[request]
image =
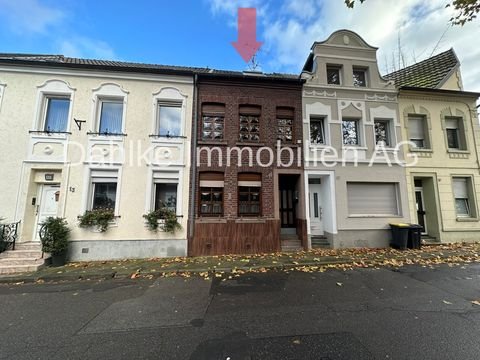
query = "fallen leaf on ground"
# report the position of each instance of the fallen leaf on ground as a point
(339, 284)
(476, 302)
(447, 302)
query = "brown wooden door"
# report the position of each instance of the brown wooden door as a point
(287, 208)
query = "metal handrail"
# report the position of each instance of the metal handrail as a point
(8, 236)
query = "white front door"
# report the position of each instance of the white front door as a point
(47, 206)
(316, 210)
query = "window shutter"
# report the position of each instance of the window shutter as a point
(460, 188)
(451, 123)
(216, 109)
(372, 198)
(285, 113)
(104, 176)
(250, 179)
(212, 179)
(416, 128)
(165, 177)
(250, 110)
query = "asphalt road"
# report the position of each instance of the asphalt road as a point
(411, 313)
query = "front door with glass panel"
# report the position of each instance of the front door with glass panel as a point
(315, 208)
(420, 206)
(47, 206)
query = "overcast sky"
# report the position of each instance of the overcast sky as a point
(199, 32)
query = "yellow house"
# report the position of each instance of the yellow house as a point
(83, 134)
(440, 121)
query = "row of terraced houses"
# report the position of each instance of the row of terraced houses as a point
(250, 162)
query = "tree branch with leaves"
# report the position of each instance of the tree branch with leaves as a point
(466, 10)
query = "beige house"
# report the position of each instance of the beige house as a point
(354, 168)
(82, 134)
(440, 120)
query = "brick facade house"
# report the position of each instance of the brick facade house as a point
(249, 196)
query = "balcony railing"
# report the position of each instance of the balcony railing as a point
(8, 236)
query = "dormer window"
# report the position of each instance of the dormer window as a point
(333, 74)
(359, 77)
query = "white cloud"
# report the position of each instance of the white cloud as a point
(86, 48)
(30, 16)
(291, 27)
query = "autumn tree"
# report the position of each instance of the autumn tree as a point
(465, 10)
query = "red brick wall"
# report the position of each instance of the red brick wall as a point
(268, 95)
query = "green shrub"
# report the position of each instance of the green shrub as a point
(54, 234)
(169, 224)
(99, 218)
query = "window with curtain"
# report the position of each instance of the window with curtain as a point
(249, 123)
(56, 115)
(213, 118)
(317, 130)
(461, 193)
(169, 119)
(378, 199)
(166, 196)
(111, 117)
(350, 132)
(103, 189)
(285, 124)
(211, 194)
(249, 194)
(359, 77)
(416, 131)
(382, 132)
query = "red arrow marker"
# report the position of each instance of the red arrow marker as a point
(247, 44)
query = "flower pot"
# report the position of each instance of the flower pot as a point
(59, 259)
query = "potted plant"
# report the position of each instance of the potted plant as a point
(99, 218)
(163, 218)
(54, 235)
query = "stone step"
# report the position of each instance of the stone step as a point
(21, 254)
(28, 246)
(288, 237)
(291, 244)
(21, 261)
(15, 269)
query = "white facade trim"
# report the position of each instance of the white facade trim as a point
(100, 74)
(2, 93)
(52, 87)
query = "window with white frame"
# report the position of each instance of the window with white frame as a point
(383, 135)
(169, 119)
(56, 113)
(110, 121)
(317, 130)
(455, 133)
(375, 199)
(417, 131)
(165, 190)
(351, 131)
(461, 192)
(103, 190)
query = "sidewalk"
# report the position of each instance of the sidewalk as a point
(233, 266)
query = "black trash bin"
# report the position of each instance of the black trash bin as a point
(415, 236)
(399, 236)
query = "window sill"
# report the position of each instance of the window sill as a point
(246, 143)
(212, 142)
(252, 220)
(457, 151)
(419, 150)
(49, 134)
(374, 216)
(467, 219)
(211, 220)
(356, 147)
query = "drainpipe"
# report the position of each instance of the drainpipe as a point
(471, 112)
(193, 159)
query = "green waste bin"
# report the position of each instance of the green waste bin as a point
(400, 234)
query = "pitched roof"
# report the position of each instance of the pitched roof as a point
(65, 61)
(430, 73)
